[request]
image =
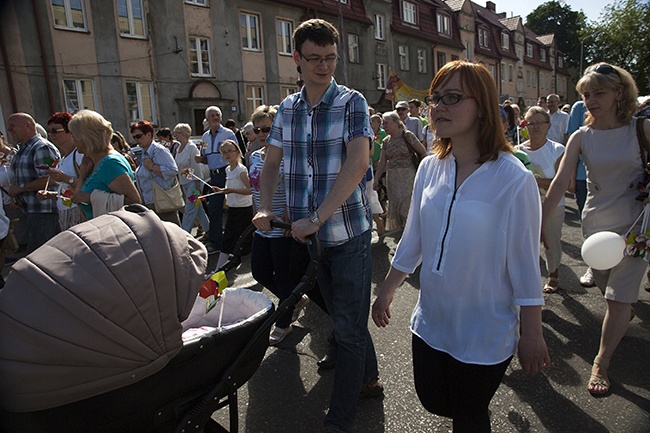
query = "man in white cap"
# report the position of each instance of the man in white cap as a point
(413, 124)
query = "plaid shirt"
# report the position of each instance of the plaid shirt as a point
(313, 140)
(34, 153)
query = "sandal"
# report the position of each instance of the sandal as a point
(278, 335)
(599, 385)
(551, 285)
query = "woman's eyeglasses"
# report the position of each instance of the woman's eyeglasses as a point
(228, 152)
(448, 99)
(137, 136)
(54, 130)
(604, 69)
(533, 124)
(263, 129)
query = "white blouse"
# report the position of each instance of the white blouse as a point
(479, 250)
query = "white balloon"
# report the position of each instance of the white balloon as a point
(603, 250)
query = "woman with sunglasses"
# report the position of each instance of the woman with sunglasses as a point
(397, 162)
(545, 156)
(157, 165)
(474, 227)
(185, 160)
(610, 150)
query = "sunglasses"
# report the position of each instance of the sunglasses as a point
(55, 130)
(137, 136)
(604, 69)
(263, 129)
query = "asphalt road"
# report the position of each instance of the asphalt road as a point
(289, 394)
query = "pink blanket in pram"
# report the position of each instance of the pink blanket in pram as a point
(96, 308)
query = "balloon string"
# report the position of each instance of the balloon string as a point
(643, 212)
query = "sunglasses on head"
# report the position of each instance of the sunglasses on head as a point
(604, 69)
(263, 129)
(137, 136)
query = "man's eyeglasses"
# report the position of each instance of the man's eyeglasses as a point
(532, 124)
(448, 99)
(137, 136)
(317, 60)
(263, 129)
(55, 130)
(604, 69)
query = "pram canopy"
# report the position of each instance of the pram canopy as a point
(96, 308)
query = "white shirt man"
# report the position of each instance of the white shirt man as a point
(559, 119)
(413, 124)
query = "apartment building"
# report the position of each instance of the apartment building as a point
(167, 60)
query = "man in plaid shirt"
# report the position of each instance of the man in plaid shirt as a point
(324, 135)
(34, 157)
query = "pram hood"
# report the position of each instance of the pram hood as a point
(96, 308)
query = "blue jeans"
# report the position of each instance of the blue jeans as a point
(344, 279)
(215, 205)
(192, 211)
(41, 227)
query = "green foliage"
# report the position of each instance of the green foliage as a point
(622, 38)
(558, 18)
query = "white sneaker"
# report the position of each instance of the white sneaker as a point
(587, 280)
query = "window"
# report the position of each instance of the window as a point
(353, 48)
(422, 61)
(454, 57)
(409, 13)
(254, 98)
(79, 95)
(529, 50)
(404, 57)
(443, 25)
(381, 76)
(542, 54)
(468, 50)
(491, 69)
(285, 42)
(520, 56)
(197, 2)
(505, 41)
(287, 90)
(380, 31)
(68, 14)
(527, 78)
(200, 63)
(511, 73)
(442, 59)
(131, 17)
(503, 72)
(139, 99)
(534, 79)
(483, 40)
(560, 62)
(250, 32)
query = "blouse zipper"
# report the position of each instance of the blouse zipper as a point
(444, 237)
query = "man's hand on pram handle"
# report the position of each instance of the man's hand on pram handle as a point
(262, 220)
(302, 229)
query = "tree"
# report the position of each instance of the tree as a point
(622, 38)
(558, 18)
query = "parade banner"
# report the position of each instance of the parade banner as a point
(398, 90)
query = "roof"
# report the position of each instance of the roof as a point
(511, 23)
(427, 26)
(354, 10)
(455, 5)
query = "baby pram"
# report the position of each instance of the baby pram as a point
(193, 379)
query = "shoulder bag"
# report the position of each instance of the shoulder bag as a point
(167, 200)
(415, 157)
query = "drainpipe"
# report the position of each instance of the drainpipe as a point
(46, 65)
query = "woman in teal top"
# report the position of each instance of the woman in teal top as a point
(112, 172)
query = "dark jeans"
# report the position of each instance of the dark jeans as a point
(448, 387)
(581, 195)
(41, 227)
(215, 204)
(239, 218)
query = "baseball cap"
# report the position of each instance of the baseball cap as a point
(401, 104)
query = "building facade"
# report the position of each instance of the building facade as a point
(166, 61)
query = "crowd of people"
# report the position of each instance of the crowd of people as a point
(454, 170)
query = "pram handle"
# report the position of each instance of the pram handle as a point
(313, 245)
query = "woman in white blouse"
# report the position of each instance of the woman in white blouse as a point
(474, 226)
(185, 160)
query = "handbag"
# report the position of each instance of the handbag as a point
(415, 157)
(167, 200)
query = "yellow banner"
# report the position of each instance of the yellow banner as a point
(397, 90)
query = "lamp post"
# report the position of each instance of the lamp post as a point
(582, 46)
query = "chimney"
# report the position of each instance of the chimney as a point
(491, 6)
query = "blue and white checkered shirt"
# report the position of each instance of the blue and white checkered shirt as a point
(314, 140)
(35, 153)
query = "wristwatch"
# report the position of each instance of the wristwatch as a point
(71, 181)
(22, 188)
(313, 218)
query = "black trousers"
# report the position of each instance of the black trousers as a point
(448, 387)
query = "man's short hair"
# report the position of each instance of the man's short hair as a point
(416, 102)
(230, 123)
(318, 31)
(212, 108)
